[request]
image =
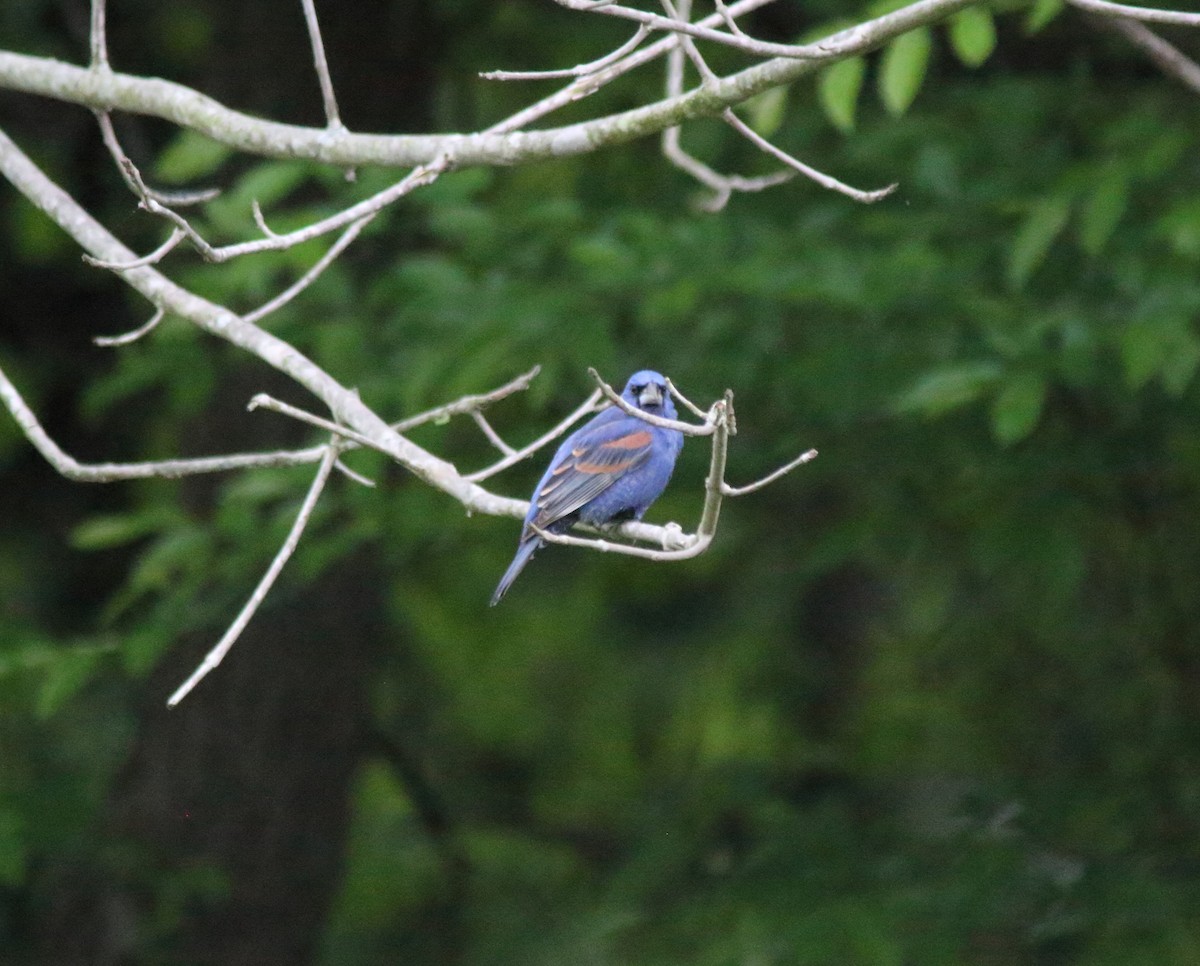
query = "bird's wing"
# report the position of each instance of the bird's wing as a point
(591, 466)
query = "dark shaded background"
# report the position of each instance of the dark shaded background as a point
(933, 699)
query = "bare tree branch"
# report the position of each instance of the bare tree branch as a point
(805, 457)
(344, 241)
(824, 180)
(586, 407)
(221, 648)
(1148, 14)
(580, 70)
(1169, 58)
(134, 180)
(99, 36)
(722, 186)
(189, 108)
(71, 468)
(133, 336)
(332, 117)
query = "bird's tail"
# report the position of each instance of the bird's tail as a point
(524, 552)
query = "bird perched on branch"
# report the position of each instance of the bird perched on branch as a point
(609, 470)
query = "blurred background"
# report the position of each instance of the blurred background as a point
(932, 699)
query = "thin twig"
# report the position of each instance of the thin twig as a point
(179, 198)
(259, 220)
(580, 70)
(1148, 14)
(748, 45)
(695, 410)
(177, 235)
(588, 406)
(128, 337)
(682, 15)
(723, 186)
(800, 460)
(332, 118)
(71, 468)
(824, 180)
(221, 648)
(492, 436)
(688, 429)
(98, 37)
(727, 16)
(591, 83)
(1169, 58)
(467, 404)
(263, 401)
(305, 280)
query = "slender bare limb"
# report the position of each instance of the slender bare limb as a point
(178, 198)
(728, 16)
(758, 48)
(687, 403)
(500, 145)
(800, 460)
(591, 83)
(824, 180)
(153, 258)
(418, 177)
(467, 404)
(99, 36)
(1148, 14)
(221, 648)
(492, 436)
(133, 336)
(722, 186)
(683, 42)
(688, 429)
(1169, 58)
(352, 475)
(264, 401)
(71, 468)
(588, 406)
(259, 220)
(304, 281)
(580, 70)
(332, 117)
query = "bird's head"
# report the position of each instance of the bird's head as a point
(648, 391)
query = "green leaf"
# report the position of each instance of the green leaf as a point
(100, 533)
(903, 69)
(949, 388)
(70, 670)
(190, 156)
(838, 88)
(1143, 349)
(1018, 407)
(765, 111)
(1042, 226)
(1042, 13)
(1102, 211)
(972, 35)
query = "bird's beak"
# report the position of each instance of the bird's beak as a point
(650, 395)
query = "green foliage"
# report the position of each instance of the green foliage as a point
(972, 35)
(902, 69)
(838, 88)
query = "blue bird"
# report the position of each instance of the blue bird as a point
(609, 470)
